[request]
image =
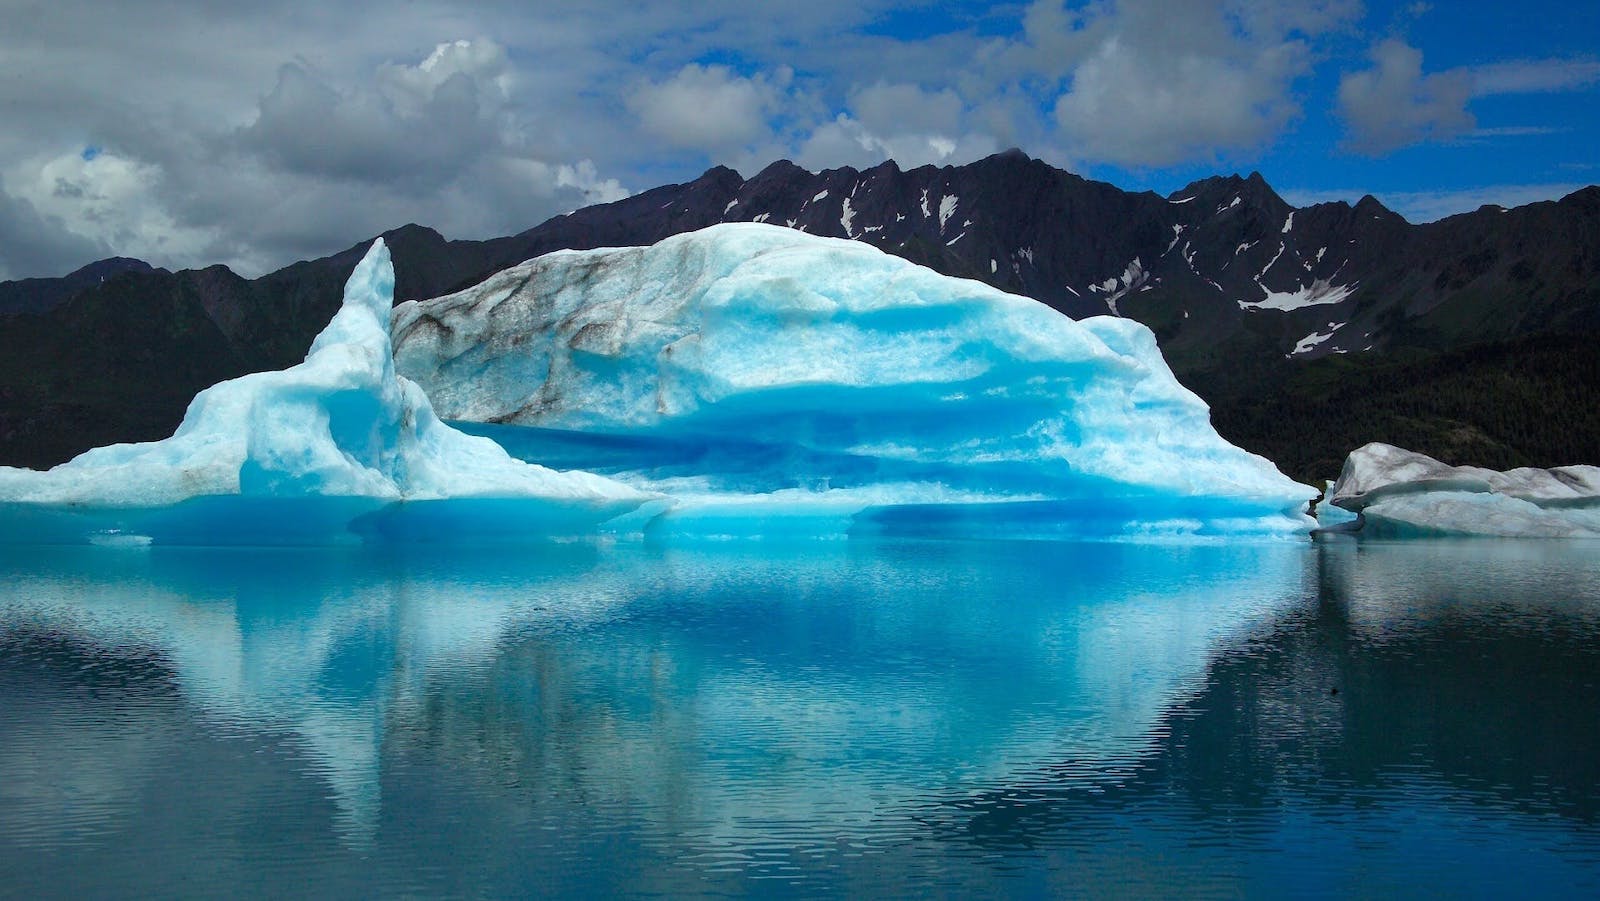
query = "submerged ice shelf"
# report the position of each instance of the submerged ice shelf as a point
(773, 381)
(745, 380)
(330, 449)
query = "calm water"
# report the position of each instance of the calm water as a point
(847, 719)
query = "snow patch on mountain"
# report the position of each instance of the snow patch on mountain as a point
(947, 208)
(1177, 233)
(1320, 291)
(1270, 263)
(1133, 278)
(1315, 339)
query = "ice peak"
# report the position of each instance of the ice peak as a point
(363, 315)
(339, 428)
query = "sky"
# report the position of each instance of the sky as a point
(192, 132)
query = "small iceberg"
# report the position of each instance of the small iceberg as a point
(1395, 492)
(337, 448)
(774, 382)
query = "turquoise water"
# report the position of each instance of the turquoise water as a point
(845, 719)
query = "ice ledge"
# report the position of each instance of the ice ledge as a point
(1396, 492)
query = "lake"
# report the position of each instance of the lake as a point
(841, 719)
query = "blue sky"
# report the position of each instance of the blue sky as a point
(197, 132)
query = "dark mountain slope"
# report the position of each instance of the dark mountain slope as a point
(39, 295)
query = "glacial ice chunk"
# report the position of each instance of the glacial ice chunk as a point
(1398, 492)
(768, 379)
(336, 445)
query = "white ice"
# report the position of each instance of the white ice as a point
(1401, 492)
(794, 375)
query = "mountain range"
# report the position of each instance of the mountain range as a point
(1310, 331)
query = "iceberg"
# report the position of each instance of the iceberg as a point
(774, 382)
(1398, 493)
(335, 448)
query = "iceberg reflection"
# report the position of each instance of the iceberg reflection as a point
(720, 696)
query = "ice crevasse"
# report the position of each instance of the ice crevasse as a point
(337, 448)
(772, 382)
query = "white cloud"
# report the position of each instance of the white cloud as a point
(845, 141)
(258, 134)
(1393, 104)
(910, 124)
(320, 165)
(1534, 76)
(106, 199)
(412, 88)
(1161, 83)
(884, 108)
(34, 244)
(1125, 108)
(708, 108)
(421, 123)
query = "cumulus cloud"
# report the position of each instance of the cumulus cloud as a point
(1163, 83)
(907, 123)
(845, 141)
(1123, 109)
(884, 107)
(317, 165)
(108, 201)
(35, 245)
(412, 89)
(423, 123)
(709, 108)
(256, 135)
(1394, 104)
